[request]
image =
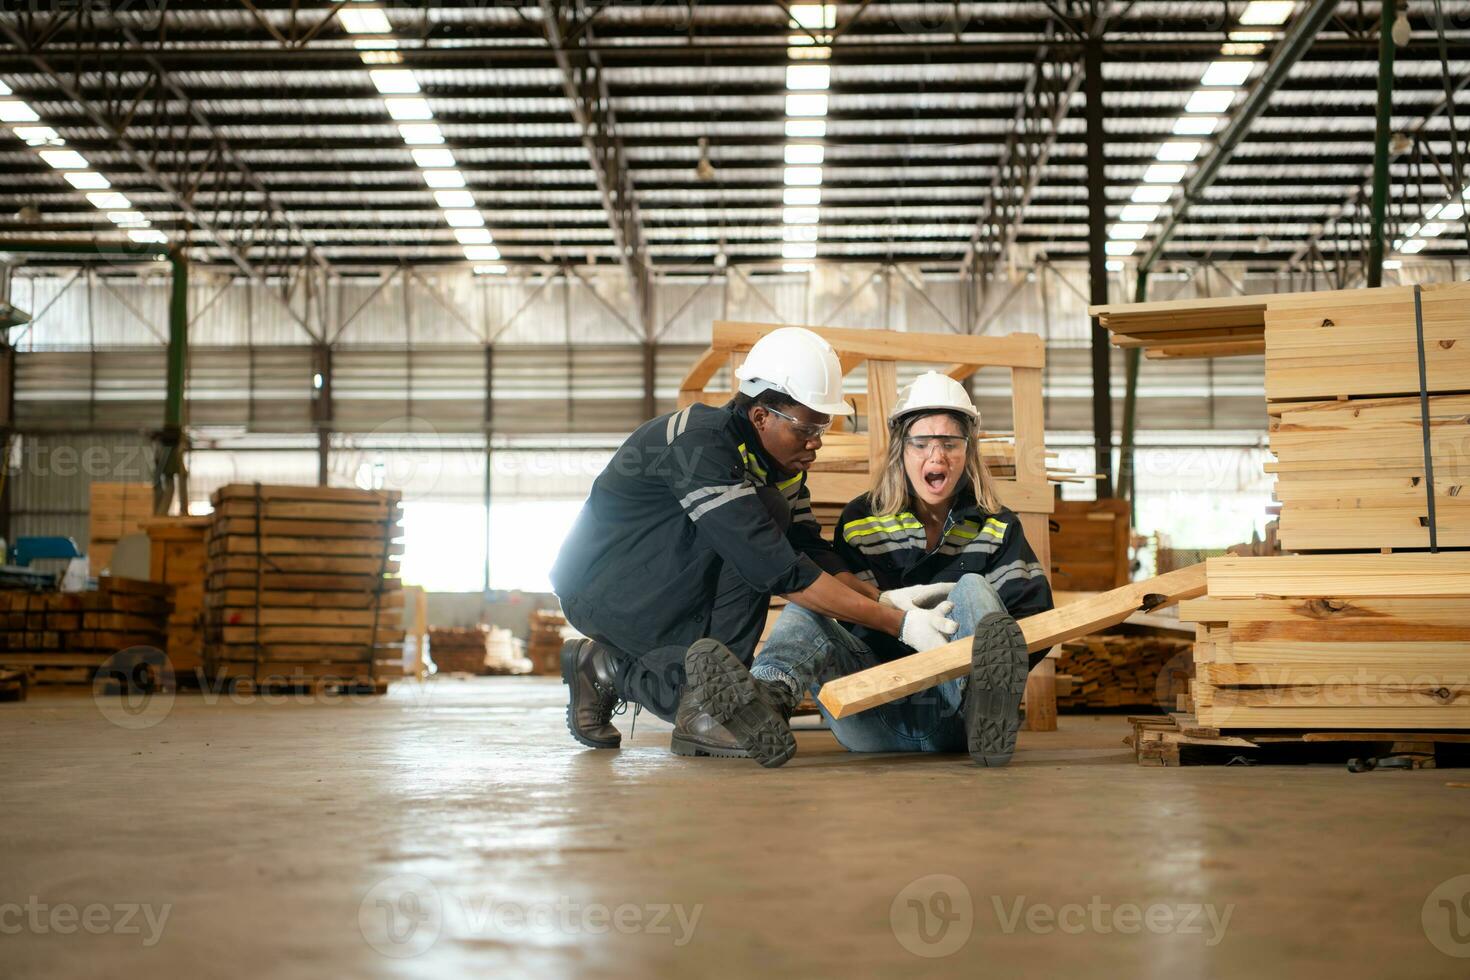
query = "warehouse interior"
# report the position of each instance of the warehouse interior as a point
(370, 293)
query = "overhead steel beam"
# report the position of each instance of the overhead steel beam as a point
(1382, 132)
(1288, 52)
(568, 28)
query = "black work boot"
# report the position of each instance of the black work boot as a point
(998, 664)
(727, 713)
(587, 671)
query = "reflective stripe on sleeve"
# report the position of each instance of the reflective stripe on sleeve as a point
(730, 493)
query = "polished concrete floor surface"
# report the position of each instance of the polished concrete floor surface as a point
(453, 829)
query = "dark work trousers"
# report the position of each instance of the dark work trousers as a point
(655, 678)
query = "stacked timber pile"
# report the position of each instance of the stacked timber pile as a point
(504, 653)
(458, 649)
(116, 510)
(1089, 545)
(64, 637)
(1302, 642)
(544, 648)
(1365, 392)
(302, 587)
(176, 556)
(1109, 671)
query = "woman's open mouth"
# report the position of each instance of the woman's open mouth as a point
(936, 479)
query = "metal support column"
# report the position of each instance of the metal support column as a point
(1381, 136)
(1097, 236)
(1132, 359)
(650, 376)
(321, 409)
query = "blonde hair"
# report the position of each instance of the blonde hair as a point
(891, 492)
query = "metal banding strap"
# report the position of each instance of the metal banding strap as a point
(1424, 420)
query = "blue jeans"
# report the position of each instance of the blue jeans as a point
(806, 650)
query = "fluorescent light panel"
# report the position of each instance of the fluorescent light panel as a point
(126, 218)
(1195, 125)
(482, 253)
(1413, 247)
(148, 235)
(802, 196)
(799, 233)
(1210, 100)
(804, 153)
(394, 81)
(454, 199)
(433, 158)
(1164, 173)
(1270, 12)
(1139, 213)
(801, 216)
(1180, 151)
(1157, 194)
(110, 201)
(421, 134)
(443, 178)
(14, 110)
(806, 104)
(365, 20)
(808, 78)
(806, 128)
(65, 159)
(464, 218)
(86, 180)
(1120, 248)
(473, 236)
(814, 16)
(1129, 232)
(1230, 73)
(39, 135)
(804, 176)
(490, 270)
(409, 107)
(798, 250)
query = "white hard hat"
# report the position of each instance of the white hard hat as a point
(932, 391)
(797, 363)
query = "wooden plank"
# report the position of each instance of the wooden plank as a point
(1013, 350)
(1410, 611)
(300, 546)
(250, 491)
(1340, 576)
(337, 510)
(277, 527)
(888, 682)
(308, 634)
(1455, 716)
(882, 397)
(361, 599)
(1383, 672)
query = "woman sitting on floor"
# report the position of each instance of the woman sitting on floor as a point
(931, 534)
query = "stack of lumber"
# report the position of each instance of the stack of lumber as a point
(1342, 385)
(176, 556)
(302, 586)
(1222, 327)
(458, 649)
(1089, 545)
(1117, 671)
(116, 510)
(1322, 642)
(63, 637)
(504, 653)
(544, 648)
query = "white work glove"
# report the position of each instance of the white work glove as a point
(916, 596)
(925, 629)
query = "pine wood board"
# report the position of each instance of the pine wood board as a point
(308, 634)
(1340, 576)
(298, 529)
(303, 582)
(272, 547)
(1408, 612)
(1456, 716)
(1014, 350)
(278, 598)
(366, 511)
(1386, 671)
(301, 616)
(273, 492)
(337, 565)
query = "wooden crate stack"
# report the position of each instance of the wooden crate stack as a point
(302, 587)
(544, 648)
(116, 510)
(1110, 671)
(63, 637)
(176, 556)
(458, 649)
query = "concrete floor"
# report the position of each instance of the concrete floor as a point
(458, 823)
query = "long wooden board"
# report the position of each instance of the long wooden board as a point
(891, 681)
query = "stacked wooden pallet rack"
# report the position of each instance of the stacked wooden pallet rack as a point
(176, 556)
(1366, 629)
(116, 509)
(302, 588)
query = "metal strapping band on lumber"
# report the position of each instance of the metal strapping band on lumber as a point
(1424, 419)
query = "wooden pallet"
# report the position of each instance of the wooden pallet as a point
(116, 509)
(1179, 740)
(1089, 545)
(301, 582)
(62, 638)
(14, 685)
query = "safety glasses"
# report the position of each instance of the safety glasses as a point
(807, 430)
(924, 445)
